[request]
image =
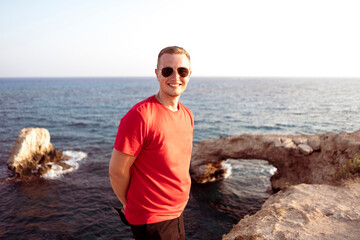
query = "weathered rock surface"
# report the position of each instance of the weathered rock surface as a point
(30, 153)
(306, 212)
(310, 208)
(312, 159)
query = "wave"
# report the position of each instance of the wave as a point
(228, 168)
(58, 170)
(238, 168)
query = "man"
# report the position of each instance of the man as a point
(149, 166)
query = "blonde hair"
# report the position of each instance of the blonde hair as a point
(172, 50)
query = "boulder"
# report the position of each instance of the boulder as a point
(31, 153)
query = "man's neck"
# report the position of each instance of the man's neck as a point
(168, 101)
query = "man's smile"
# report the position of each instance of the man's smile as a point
(174, 84)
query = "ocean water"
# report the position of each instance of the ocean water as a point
(82, 115)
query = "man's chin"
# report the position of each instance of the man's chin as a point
(174, 94)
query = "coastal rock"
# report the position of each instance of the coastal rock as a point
(312, 159)
(309, 204)
(305, 211)
(31, 153)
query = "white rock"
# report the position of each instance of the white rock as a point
(29, 142)
(305, 148)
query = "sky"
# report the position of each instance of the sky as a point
(235, 38)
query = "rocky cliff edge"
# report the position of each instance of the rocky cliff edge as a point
(313, 201)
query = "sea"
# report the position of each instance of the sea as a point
(83, 114)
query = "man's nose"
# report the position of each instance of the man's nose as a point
(176, 74)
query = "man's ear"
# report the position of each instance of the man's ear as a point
(157, 74)
(189, 75)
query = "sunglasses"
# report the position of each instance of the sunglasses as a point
(182, 71)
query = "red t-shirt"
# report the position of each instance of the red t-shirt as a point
(161, 140)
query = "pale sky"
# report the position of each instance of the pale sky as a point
(254, 38)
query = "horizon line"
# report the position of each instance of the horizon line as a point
(240, 77)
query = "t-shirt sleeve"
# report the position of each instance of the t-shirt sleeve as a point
(192, 119)
(131, 134)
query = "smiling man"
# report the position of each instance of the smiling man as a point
(149, 166)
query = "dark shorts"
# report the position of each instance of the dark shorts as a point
(166, 230)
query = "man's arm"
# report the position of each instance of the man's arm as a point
(119, 172)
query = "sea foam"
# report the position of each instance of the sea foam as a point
(58, 171)
(227, 166)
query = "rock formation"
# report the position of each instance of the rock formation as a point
(312, 159)
(31, 153)
(307, 207)
(308, 212)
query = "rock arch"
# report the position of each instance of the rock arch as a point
(298, 158)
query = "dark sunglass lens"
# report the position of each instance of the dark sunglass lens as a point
(183, 72)
(166, 71)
